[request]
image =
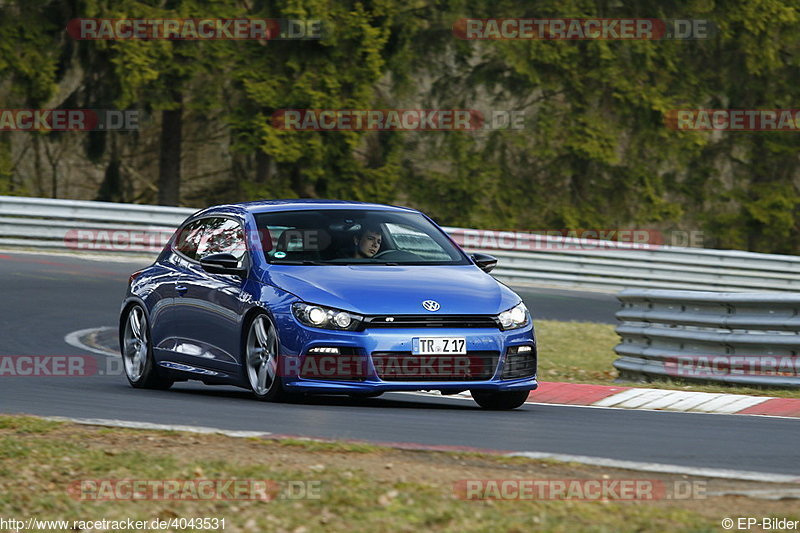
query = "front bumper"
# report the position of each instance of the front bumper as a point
(300, 340)
(366, 387)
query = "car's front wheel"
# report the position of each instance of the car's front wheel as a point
(262, 361)
(137, 352)
(500, 401)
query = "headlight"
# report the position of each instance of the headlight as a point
(514, 318)
(318, 316)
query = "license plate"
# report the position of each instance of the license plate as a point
(438, 345)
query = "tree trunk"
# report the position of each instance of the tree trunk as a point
(169, 163)
(6, 166)
(111, 188)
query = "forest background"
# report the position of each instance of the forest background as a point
(595, 151)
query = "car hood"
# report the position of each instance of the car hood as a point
(384, 289)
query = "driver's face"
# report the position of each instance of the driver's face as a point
(369, 244)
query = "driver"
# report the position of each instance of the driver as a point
(367, 241)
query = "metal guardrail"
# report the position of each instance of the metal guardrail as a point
(540, 259)
(524, 258)
(87, 226)
(744, 339)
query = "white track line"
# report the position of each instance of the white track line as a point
(663, 468)
(583, 459)
(730, 403)
(767, 494)
(106, 422)
(646, 408)
(74, 339)
(665, 411)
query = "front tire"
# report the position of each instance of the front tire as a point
(500, 401)
(262, 360)
(137, 352)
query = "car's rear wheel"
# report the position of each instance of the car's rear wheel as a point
(137, 352)
(262, 360)
(500, 401)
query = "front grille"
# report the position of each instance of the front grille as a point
(520, 365)
(403, 366)
(431, 321)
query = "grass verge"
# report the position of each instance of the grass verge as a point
(375, 489)
(583, 352)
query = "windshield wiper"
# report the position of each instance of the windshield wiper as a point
(363, 263)
(304, 262)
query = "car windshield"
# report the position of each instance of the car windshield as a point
(336, 237)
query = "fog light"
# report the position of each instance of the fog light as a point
(520, 349)
(324, 349)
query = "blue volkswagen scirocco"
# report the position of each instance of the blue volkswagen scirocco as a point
(289, 297)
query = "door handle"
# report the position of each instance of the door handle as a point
(181, 289)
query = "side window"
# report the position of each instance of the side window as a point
(188, 239)
(222, 235)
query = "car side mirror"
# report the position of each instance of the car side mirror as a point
(485, 262)
(223, 263)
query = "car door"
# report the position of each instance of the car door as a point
(209, 306)
(162, 299)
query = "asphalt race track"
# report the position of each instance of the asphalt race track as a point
(45, 297)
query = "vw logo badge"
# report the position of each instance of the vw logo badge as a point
(431, 305)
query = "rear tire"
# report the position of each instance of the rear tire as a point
(136, 348)
(500, 401)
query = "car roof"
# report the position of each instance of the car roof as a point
(269, 206)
